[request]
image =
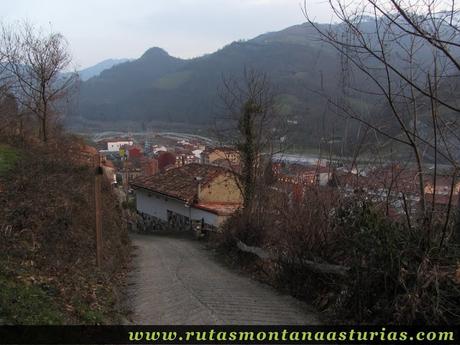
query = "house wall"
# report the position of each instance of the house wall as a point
(221, 189)
(110, 174)
(209, 218)
(114, 146)
(231, 156)
(324, 178)
(157, 206)
(442, 189)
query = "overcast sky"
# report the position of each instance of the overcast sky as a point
(101, 29)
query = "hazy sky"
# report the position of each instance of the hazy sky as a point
(101, 29)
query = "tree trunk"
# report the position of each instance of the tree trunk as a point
(44, 130)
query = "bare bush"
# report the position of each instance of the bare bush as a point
(48, 199)
(34, 67)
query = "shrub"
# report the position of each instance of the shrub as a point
(396, 274)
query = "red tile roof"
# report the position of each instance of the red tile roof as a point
(394, 178)
(180, 183)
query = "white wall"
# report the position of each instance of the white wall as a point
(324, 178)
(209, 218)
(114, 146)
(158, 206)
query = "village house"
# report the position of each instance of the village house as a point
(187, 197)
(444, 185)
(149, 166)
(134, 152)
(446, 191)
(398, 188)
(89, 156)
(114, 145)
(166, 160)
(86, 154)
(185, 158)
(301, 175)
(109, 170)
(392, 187)
(217, 155)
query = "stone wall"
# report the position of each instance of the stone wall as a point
(146, 223)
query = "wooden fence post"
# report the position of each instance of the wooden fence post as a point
(98, 211)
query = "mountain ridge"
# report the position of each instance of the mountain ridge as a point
(160, 87)
(95, 70)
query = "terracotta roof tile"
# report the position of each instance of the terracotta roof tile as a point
(180, 183)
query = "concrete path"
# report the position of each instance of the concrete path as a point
(176, 281)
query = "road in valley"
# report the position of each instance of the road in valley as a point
(176, 280)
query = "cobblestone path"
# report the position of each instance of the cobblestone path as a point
(176, 280)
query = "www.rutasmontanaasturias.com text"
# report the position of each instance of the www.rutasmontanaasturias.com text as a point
(289, 336)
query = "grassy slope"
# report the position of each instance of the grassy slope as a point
(27, 303)
(47, 269)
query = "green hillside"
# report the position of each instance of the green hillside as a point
(160, 88)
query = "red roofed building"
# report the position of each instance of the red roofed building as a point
(84, 154)
(149, 166)
(191, 194)
(216, 155)
(166, 159)
(301, 175)
(134, 152)
(398, 188)
(109, 170)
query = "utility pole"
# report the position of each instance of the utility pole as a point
(98, 206)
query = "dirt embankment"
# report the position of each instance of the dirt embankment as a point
(48, 273)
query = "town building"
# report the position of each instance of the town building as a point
(301, 175)
(186, 158)
(166, 160)
(134, 152)
(217, 155)
(190, 196)
(85, 154)
(443, 192)
(109, 170)
(149, 166)
(444, 185)
(114, 145)
(398, 188)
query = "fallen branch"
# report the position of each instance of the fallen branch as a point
(323, 268)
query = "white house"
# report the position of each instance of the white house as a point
(191, 194)
(115, 145)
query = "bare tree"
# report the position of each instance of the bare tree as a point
(35, 63)
(252, 127)
(409, 52)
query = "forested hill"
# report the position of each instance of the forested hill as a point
(158, 86)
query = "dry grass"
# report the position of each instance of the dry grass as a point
(47, 198)
(397, 275)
